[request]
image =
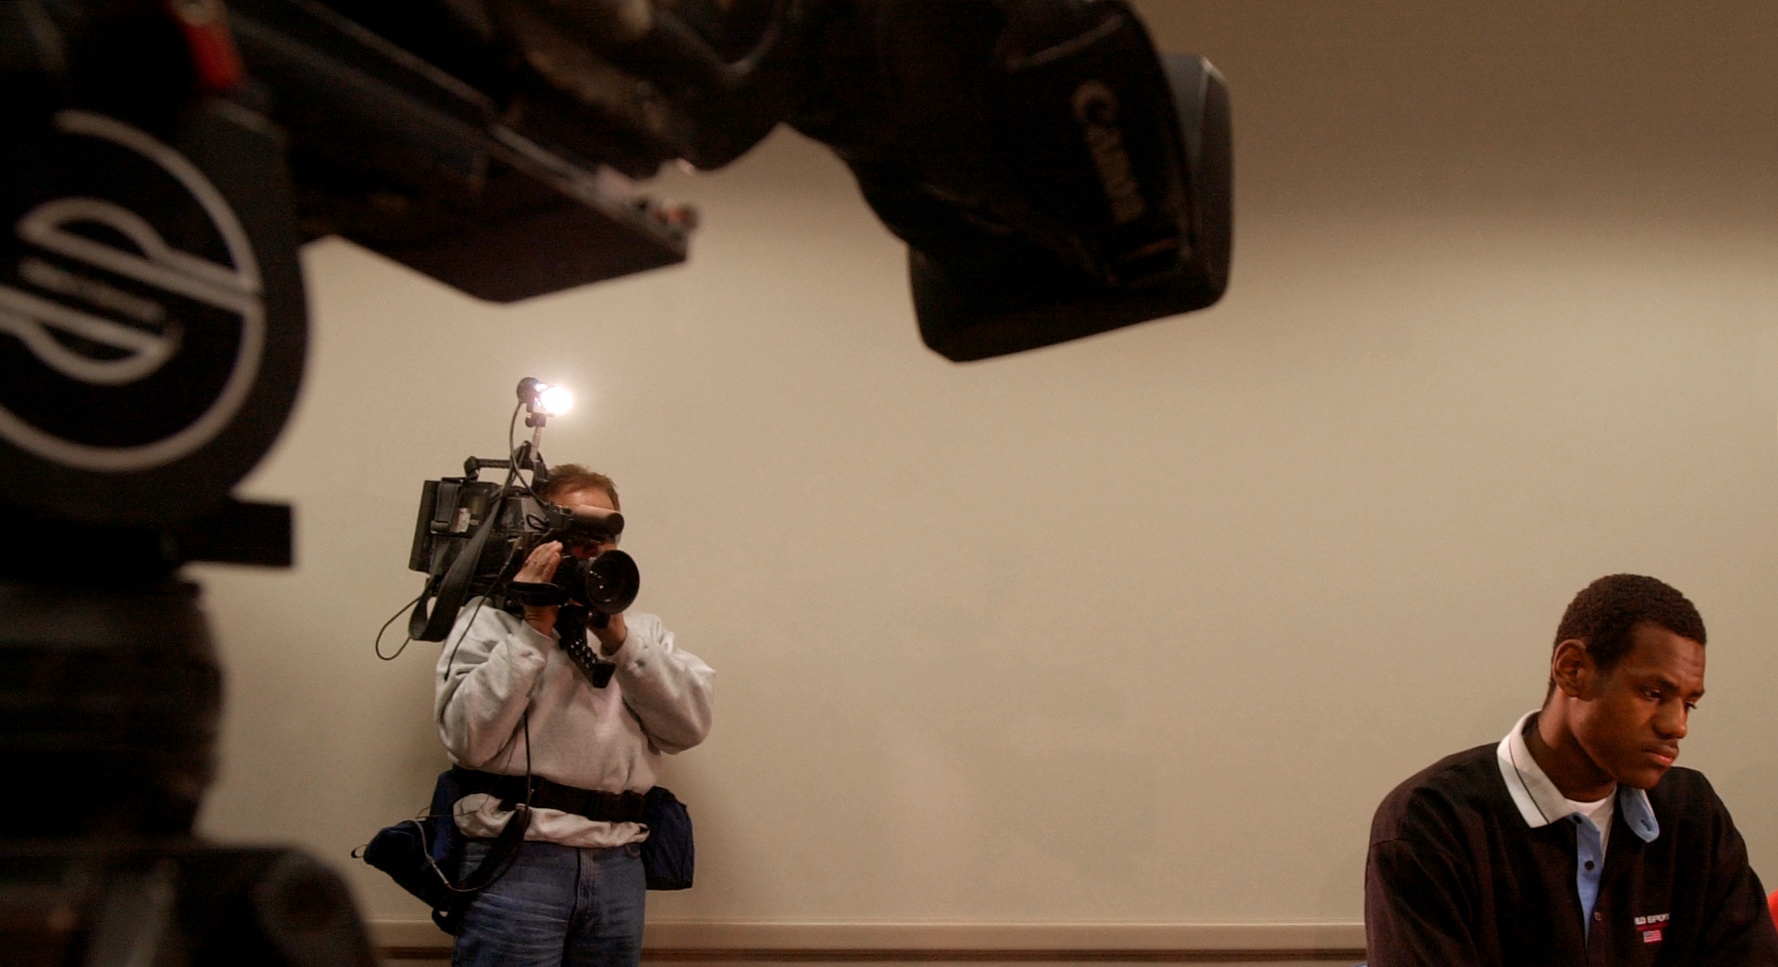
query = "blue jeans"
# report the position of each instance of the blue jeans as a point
(556, 906)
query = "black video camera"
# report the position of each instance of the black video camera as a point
(471, 535)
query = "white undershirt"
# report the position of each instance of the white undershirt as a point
(1600, 813)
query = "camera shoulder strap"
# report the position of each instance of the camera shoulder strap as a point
(451, 592)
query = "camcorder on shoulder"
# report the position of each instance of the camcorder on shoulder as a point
(471, 536)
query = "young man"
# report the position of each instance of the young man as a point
(510, 699)
(1574, 840)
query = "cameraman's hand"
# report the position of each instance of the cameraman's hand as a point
(540, 564)
(539, 568)
(612, 636)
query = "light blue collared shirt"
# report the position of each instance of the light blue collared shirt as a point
(1541, 804)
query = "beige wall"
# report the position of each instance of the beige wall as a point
(1137, 629)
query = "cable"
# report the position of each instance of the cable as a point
(377, 644)
(480, 600)
(511, 441)
(512, 453)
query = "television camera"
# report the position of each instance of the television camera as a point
(1052, 176)
(471, 536)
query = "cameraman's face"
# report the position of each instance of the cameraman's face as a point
(592, 502)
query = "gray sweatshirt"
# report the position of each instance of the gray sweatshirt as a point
(494, 667)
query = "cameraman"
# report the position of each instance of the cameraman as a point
(510, 700)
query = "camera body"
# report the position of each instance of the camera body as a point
(470, 535)
(453, 509)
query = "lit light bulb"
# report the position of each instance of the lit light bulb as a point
(555, 400)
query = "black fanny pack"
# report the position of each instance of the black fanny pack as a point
(667, 855)
(424, 855)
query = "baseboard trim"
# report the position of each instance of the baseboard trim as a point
(704, 941)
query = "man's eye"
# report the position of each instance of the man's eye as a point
(1652, 694)
(1691, 706)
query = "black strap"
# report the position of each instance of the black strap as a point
(500, 854)
(453, 590)
(594, 804)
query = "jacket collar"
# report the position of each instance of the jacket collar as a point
(1541, 803)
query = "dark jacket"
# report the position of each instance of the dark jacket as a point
(1456, 877)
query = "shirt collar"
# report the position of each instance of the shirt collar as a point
(1541, 803)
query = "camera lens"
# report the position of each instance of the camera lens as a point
(607, 583)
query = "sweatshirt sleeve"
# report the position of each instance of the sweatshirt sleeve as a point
(670, 691)
(487, 671)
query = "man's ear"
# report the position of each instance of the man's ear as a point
(1572, 668)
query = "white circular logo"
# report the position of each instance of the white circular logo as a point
(124, 351)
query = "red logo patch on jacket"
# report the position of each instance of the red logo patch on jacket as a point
(1650, 927)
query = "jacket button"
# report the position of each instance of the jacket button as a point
(1597, 916)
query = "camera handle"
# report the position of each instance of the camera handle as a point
(571, 626)
(526, 457)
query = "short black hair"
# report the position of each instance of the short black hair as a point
(1604, 613)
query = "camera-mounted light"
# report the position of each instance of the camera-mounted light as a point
(540, 401)
(544, 399)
